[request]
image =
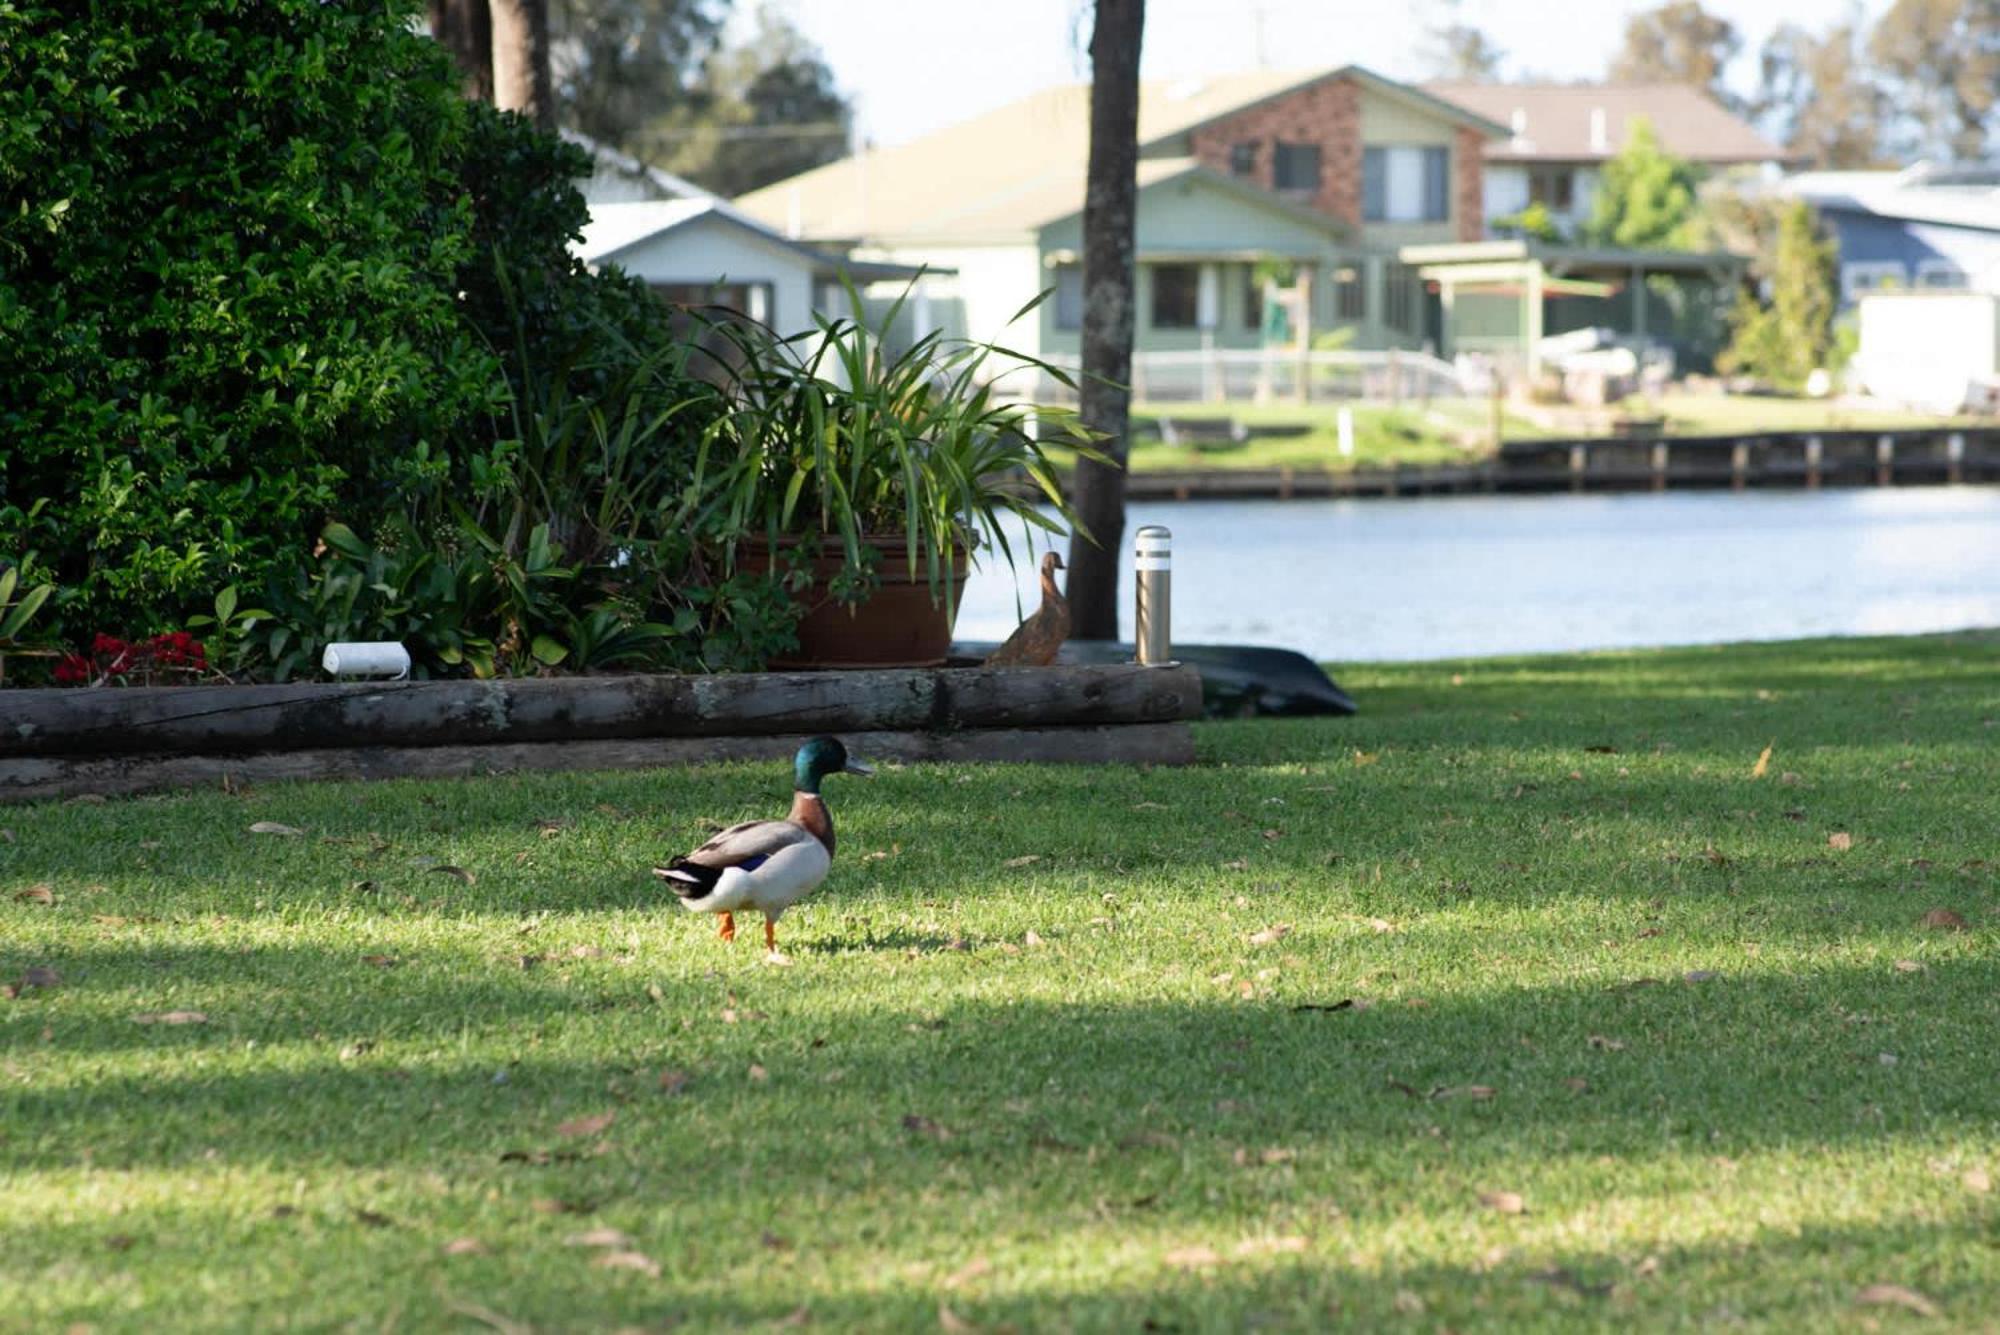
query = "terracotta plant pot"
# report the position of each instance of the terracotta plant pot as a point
(898, 626)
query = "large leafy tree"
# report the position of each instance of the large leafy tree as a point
(1783, 337)
(1645, 196)
(622, 64)
(1941, 59)
(1462, 51)
(1678, 41)
(1110, 210)
(1820, 97)
(768, 109)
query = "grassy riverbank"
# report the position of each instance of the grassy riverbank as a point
(1530, 999)
(1460, 431)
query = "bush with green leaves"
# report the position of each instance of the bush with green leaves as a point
(230, 233)
(262, 271)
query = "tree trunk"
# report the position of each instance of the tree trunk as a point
(465, 28)
(1110, 202)
(521, 77)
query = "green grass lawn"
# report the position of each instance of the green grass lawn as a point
(1517, 1002)
(1443, 433)
(1458, 431)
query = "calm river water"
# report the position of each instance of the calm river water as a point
(1450, 576)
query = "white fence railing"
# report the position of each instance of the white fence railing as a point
(1280, 376)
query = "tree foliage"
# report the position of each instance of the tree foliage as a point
(1678, 41)
(1820, 97)
(1941, 59)
(1463, 51)
(769, 109)
(620, 64)
(1645, 196)
(1782, 337)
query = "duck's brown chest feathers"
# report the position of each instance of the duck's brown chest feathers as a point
(809, 813)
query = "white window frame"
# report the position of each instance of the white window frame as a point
(1960, 280)
(1859, 276)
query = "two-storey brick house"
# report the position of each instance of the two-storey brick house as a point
(1326, 174)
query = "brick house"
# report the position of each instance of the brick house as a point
(1323, 176)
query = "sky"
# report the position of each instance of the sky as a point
(913, 66)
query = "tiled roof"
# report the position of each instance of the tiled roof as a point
(1580, 122)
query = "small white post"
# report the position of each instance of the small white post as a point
(1344, 423)
(1152, 566)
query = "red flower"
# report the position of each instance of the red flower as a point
(74, 668)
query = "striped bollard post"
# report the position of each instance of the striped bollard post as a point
(1152, 568)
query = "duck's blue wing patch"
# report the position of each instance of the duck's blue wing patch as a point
(753, 863)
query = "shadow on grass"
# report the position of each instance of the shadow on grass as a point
(458, 1067)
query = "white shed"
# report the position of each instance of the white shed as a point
(703, 251)
(1934, 350)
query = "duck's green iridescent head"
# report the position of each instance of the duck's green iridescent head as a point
(820, 757)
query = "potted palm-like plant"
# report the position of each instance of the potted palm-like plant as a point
(868, 476)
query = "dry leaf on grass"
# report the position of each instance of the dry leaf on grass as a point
(1477, 1093)
(586, 1126)
(1192, 1258)
(598, 1237)
(1895, 1295)
(458, 873)
(464, 1247)
(1408, 1303)
(1033, 939)
(1149, 806)
(977, 1267)
(1607, 1044)
(273, 827)
(1908, 966)
(1840, 841)
(1942, 920)
(171, 1017)
(1506, 1202)
(1977, 1180)
(1025, 860)
(1366, 757)
(1270, 936)
(1763, 765)
(381, 961)
(639, 1261)
(1270, 1246)
(952, 1321)
(758, 1073)
(36, 894)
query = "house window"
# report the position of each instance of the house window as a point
(751, 301)
(1402, 298)
(1941, 275)
(1176, 295)
(1253, 298)
(1350, 293)
(1069, 296)
(1406, 183)
(1243, 159)
(1871, 276)
(1554, 188)
(1296, 167)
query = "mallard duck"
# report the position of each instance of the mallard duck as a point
(767, 864)
(1036, 641)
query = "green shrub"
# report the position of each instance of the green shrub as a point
(229, 236)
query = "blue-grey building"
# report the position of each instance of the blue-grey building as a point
(1924, 227)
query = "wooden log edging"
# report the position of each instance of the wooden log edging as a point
(41, 778)
(225, 720)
